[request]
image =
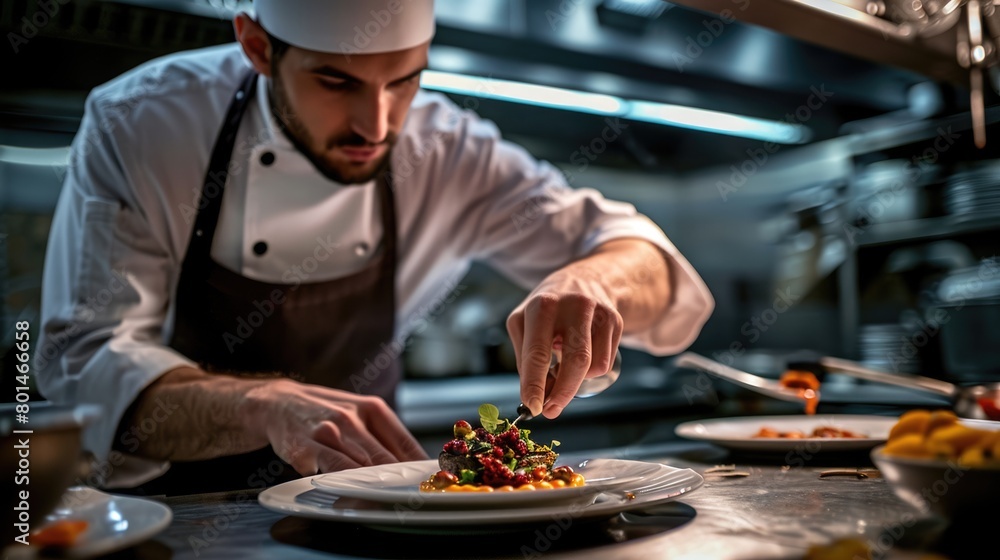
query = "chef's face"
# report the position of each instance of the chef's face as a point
(342, 112)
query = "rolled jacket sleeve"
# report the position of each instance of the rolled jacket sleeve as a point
(106, 287)
(531, 223)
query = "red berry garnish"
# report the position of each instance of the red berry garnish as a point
(520, 449)
(456, 447)
(510, 437)
(483, 435)
(495, 473)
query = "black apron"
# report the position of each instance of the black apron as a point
(335, 333)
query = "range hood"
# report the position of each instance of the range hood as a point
(954, 41)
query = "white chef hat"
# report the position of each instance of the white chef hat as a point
(348, 26)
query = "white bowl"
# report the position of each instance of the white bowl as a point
(54, 458)
(940, 486)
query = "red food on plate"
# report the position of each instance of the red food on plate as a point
(818, 432)
(806, 383)
(990, 406)
(58, 534)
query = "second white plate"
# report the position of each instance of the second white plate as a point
(738, 433)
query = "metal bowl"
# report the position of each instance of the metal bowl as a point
(939, 486)
(42, 463)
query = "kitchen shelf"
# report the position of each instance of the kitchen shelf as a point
(925, 228)
(909, 141)
(915, 132)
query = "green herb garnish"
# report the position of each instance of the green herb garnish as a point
(489, 417)
(466, 476)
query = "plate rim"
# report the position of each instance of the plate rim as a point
(271, 498)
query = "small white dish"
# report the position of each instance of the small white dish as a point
(738, 433)
(113, 522)
(398, 483)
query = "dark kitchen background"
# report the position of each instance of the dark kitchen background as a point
(844, 210)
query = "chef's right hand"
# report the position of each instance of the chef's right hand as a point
(317, 429)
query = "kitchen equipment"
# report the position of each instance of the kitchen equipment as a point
(588, 388)
(974, 26)
(750, 381)
(976, 52)
(976, 401)
(54, 458)
(968, 309)
(973, 191)
(891, 191)
(879, 345)
(439, 351)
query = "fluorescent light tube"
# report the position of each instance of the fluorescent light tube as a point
(612, 106)
(717, 121)
(520, 92)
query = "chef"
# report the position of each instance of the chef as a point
(247, 233)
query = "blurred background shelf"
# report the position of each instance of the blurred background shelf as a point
(927, 228)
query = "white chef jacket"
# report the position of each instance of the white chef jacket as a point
(127, 207)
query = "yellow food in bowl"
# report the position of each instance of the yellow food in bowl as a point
(848, 548)
(924, 434)
(913, 422)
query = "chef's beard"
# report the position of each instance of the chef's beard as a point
(295, 131)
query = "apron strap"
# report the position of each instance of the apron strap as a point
(198, 259)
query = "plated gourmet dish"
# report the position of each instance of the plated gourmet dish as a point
(497, 457)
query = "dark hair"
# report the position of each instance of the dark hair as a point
(278, 47)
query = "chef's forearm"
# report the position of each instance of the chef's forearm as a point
(635, 273)
(188, 414)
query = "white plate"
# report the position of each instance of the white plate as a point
(300, 498)
(737, 433)
(398, 483)
(113, 522)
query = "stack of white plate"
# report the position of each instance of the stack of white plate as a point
(888, 347)
(974, 191)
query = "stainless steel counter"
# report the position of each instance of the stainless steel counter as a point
(774, 512)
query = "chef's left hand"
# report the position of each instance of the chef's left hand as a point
(572, 309)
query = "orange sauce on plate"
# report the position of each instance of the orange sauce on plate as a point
(576, 480)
